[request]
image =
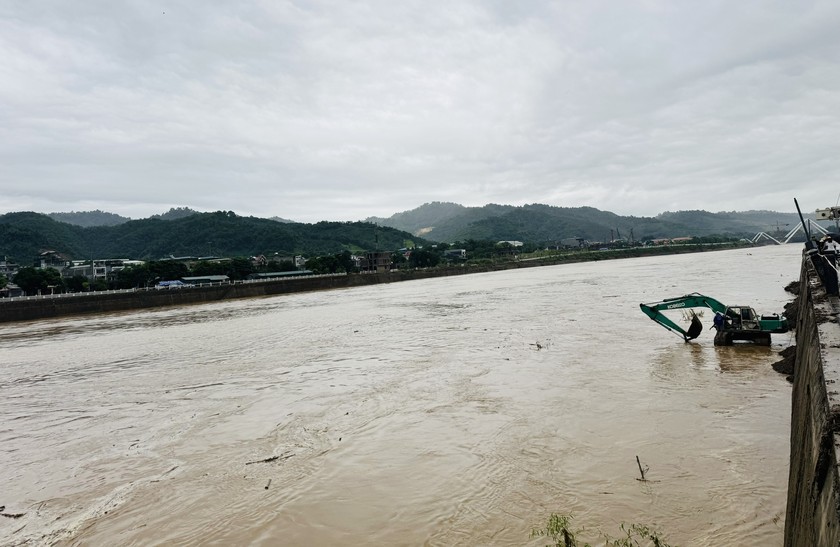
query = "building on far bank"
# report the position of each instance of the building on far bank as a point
(572, 243)
(375, 261)
(8, 268)
(455, 254)
(104, 269)
(11, 290)
(296, 260)
(51, 259)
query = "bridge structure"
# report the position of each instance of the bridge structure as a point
(811, 228)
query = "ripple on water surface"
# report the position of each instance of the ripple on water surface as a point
(447, 411)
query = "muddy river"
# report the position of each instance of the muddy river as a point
(456, 411)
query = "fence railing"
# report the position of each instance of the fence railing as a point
(184, 287)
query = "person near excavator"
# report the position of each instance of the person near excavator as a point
(830, 246)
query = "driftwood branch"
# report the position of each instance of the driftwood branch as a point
(642, 471)
(271, 459)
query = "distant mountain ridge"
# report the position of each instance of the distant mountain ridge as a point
(183, 231)
(448, 222)
(175, 213)
(88, 219)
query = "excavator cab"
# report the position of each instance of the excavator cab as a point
(742, 318)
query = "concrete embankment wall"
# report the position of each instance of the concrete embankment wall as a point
(813, 514)
(86, 303)
(41, 308)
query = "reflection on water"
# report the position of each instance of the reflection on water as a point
(446, 411)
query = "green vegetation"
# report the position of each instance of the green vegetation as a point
(79, 283)
(175, 213)
(146, 275)
(559, 530)
(330, 264)
(423, 258)
(89, 218)
(24, 235)
(184, 232)
(235, 268)
(33, 280)
(223, 243)
(480, 254)
(544, 224)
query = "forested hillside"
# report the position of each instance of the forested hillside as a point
(89, 218)
(450, 222)
(185, 232)
(25, 235)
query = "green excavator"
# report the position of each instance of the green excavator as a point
(733, 323)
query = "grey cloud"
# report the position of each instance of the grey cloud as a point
(332, 110)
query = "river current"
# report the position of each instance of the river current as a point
(452, 411)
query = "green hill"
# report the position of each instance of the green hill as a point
(450, 222)
(89, 218)
(24, 235)
(184, 232)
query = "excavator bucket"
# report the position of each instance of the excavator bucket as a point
(694, 329)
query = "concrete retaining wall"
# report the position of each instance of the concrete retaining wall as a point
(85, 303)
(813, 514)
(22, 310)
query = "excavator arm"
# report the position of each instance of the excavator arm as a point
(694, 300)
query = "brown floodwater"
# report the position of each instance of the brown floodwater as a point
(454, 411)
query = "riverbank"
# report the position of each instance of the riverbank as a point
(50, 306)
(813, 503)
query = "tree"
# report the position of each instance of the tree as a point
(145, 275)
(78, 283)
(341, 262)
(345, 261)
(477, 248)
(32, 280)
(235, 268)
(240, 268)
(398, 259)
(168, 270)
(99, 284)
(3, 281)
(323, 264)
(207, 267)
(279, 266)
(422, 258)
(135, 276)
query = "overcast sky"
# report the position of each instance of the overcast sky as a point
(340, 110)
